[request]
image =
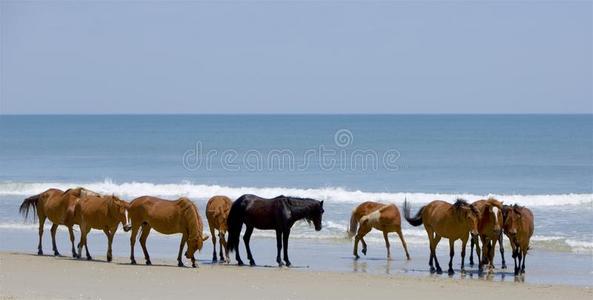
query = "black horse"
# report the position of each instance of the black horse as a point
(278, 214)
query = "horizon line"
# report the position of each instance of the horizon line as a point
(295, 114)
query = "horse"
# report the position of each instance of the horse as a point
(103, 213)
(518, 226)
(166, 217)
(217, 211)
(451, 221)
(277, 214)
(489, 230)
(383, 217)
(57, 206)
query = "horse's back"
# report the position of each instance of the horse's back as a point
(217, 210)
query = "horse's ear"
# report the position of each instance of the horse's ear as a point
(321, 203)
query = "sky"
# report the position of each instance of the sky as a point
(104, 57)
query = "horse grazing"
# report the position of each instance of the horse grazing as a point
(103, 213)
(383, 217)
(217, 211)
(518, 227)
(489, 230)
(277, 214)
(451, 221)
(166, 217)
(57, 206)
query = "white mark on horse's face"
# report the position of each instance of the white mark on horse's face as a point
(495, 211)
(127, 219)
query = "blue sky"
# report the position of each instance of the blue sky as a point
(296, 57)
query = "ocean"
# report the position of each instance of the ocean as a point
(542, 161)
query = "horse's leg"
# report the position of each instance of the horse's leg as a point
(279, 247)
(214, 258)
(491, 252)
(479, 254)
(514, 251)
(501, 246)
(451, 254)
(387, 245)
(463, 245)
(520, 258)
(285, 235)
(133, 236)
(54, 228)
(524, 258)
(224, 245)
(432, 247)
(471, 252)
(71, 232)
(437, 239)
(109, 234)
(82, 239)
(181, 246)
(355, 250)
(246, 237)
(363, 230)
(401, 237)
(143, 237)
(41, 225)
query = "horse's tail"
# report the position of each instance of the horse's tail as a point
(235, 224)
(29, 203)
(353, 224)
(417, 219)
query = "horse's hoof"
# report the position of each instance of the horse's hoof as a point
(364, 251)
(504, 266)
(356, 257)
(89, 258)
(439, 271)
(132, 262)
(148, 263)
(194, 265)
(180, 264)
(240, 263)
(471, 263)
(451, 272)
(56, 253)
(288, 264)
(214, 260)
(252, 263)
(39, 252)
(109, 258)
(432, 270)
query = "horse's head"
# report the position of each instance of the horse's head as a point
(511, 219)
(316, 214)
(469, 213)
(119, 210)
(195, 244)
(495, 214)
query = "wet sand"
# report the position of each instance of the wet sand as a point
(28, 276)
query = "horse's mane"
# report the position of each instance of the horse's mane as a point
(191, 213)
(462, 203)
(516, 207)
(300, 205)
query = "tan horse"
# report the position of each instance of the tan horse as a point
(166, 217)
(59, 208)
(217, 211)
(369, 215)
(451, 221)
(489, 230)
(518, 227)
(103, 213)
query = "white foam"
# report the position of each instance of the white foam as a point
(132, 190)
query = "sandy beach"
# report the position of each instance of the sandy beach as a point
(27, 276)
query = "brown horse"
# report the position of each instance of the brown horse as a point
(489, 229)
(59, 208)
(166, 217)
(451, 221)
(385, 218)
(518, 227)
(103, 213)
(217, 211)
